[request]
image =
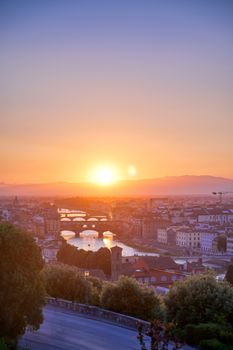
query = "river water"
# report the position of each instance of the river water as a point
(89, 240)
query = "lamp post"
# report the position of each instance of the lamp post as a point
(86, 274)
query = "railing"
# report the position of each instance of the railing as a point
(98, 313)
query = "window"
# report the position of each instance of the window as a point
(153, 279)
(163, 278)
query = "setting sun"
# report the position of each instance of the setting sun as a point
(104, 175)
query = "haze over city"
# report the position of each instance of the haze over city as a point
(99, 91)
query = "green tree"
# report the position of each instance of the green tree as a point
(21, 286)
(101, 259)
(229, 274)
(200, 299)
(222, 243)
(64, 282)
(127, 296)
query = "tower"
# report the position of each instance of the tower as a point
(116, 262)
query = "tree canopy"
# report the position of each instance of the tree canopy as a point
(128, 297)
(200, 299)
(222, 243)
(85, 259)
(64, 282)
(229, 274)
(21, 286)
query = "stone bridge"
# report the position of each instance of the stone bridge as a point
(79, 226)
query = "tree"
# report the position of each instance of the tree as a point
(229, 274)
(70, 255)
(222, 243)
(200, 299)
(103, 260)
(127, 296)
(21, 286)
(64, 282)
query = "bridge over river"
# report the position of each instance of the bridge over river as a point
(79, 226)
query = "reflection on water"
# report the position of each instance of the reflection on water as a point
(89, 240)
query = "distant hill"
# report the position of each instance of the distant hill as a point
(170, 185)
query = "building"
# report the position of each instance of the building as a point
(206, 241)
(155, 203)
(216, 216)
(155, 271)
(52, 222)
(149, 228)
(162, 235)
(157, 277)
(230, 245)
(189, 238)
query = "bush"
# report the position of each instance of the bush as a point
(128, 297)
(213, 344)
(200, 299)
(194, 334)
(66, 282)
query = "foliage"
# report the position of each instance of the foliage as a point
(214, 344)
(66, 282)
(3, 345)
(128, 297)
(85, 259)
(222, 243)
(160, 335)
(21, 287)
(200, 299)
(196, 333)
(229, 274)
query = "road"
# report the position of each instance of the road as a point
(65, 330)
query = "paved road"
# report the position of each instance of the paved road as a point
(65, 330)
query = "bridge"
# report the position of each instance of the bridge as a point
(86, 216)
(81, 224)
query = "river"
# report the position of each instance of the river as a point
(89, 240)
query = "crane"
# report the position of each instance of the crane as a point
(220, 194)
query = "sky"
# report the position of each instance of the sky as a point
(128, 84)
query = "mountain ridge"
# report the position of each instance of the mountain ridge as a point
(168, 185)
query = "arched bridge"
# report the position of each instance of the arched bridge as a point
(79, 226)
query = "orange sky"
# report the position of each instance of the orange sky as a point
(144, 86)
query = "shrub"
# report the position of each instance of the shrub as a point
(194, 334)
(200, 299)
(66, 283)
(213, 344)
(127, 296)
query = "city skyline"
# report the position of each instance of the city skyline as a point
(143, 88)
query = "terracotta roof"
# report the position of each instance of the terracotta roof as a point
(161, 262)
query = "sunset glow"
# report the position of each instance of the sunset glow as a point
(145, 86)
(104, 175)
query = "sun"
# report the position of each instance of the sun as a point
(104, 175)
